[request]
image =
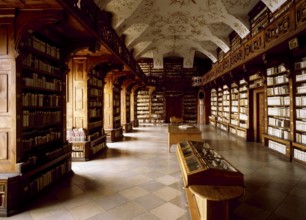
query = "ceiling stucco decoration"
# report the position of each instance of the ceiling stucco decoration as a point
(180, 27)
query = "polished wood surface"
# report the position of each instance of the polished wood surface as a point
(176, 135)
(217, 193)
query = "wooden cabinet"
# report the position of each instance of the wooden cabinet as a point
(210, 181)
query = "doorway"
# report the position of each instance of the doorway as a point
(259, 114)
(174, 106)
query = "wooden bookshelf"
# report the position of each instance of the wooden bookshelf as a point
(85, 110)
(243, 108)
(41, 145)
(143, 106)
(278, 110)
(158, 113)
(214, 107)
(126, 122)
(299, 144)
(190, 103)
(222, 116)
(112, 110)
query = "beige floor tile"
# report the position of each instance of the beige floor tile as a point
(168, 211)
(127, 211)
(133, 193)
(111, 201)
(149, 201)
(137, 180)
(167, 179)
(146, 216)
(167, 193)
(86, 210)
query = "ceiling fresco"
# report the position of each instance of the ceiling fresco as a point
(161, 28)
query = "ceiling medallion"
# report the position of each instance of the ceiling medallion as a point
(182, 2)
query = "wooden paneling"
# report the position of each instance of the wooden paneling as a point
(79, 122)
(80, 69)
(3, 145)
(79, 98)
(4, 41)
(3, 92)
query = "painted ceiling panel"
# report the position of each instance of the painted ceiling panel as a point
(180, 27)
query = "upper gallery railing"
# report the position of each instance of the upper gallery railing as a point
(100, 22)
(286, 26)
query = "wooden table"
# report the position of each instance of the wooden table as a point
(212, 202)
(176, 134)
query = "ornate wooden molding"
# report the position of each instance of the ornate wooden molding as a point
(291, 23)
(100, 23)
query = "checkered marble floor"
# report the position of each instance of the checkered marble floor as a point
(137, 179)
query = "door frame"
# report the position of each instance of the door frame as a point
(256, 92)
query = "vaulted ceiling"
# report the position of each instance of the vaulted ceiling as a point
(183, 28)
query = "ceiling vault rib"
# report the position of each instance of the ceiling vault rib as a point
(185, 28)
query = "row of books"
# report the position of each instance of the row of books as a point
(276, 69)
(301, 113)
(95, 113)
(95, 82)
(279, 90)
(30, 143)
(95, 92)
(96, 148)
(43, 47)
(142, 108)
(300, 65)
(279, 111)
(95, 124)
(243, 95)
(301, 77)
(301, 138)
(300, 125)
(299, 154)
(34, 99)
(234, 109)
(47, 178)
(278, 100)
(76, 134)
(277, 80)
(285, 123)
(278, 132)
(301, 88)
(281, 148)
(30, 119)
(92, 103)
(37, 63)
(43, 82)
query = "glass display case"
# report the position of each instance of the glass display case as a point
(201, 164)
